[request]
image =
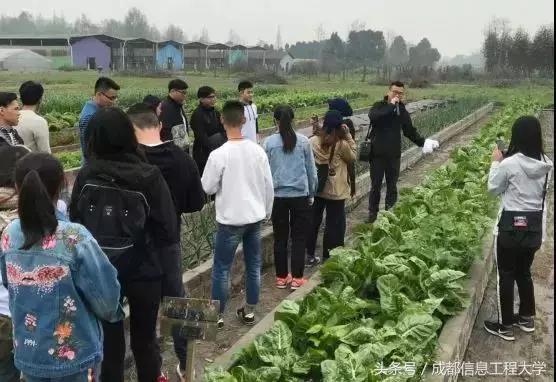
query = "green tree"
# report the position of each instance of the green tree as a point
(366, 48)
(490, 51)
(423, 55)
(542, 51)
(397, 53)
(332, 55)
(519, 53)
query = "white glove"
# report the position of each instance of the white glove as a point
(429, 146)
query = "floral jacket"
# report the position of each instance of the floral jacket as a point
(58, 292)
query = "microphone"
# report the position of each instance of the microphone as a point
(398, 108)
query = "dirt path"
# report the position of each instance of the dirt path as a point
(271, 297)
(528, 348)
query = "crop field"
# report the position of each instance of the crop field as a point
(66, 92)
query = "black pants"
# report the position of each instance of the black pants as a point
(383, 167)
(334, 229)
(180, 343)
(294, 213)
(144, 301)
(514, 255)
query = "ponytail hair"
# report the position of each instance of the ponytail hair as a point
(284, 115)
(38, 179)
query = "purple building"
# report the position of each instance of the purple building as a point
(95, 51)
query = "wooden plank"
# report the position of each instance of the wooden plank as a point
(190, 364)
(171, 327)
(73, 147)
(190, 309)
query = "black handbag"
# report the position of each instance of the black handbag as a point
(365, 147)
(523, 221)
(324, 171)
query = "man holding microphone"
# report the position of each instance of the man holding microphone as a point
(388, 118)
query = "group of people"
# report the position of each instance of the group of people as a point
(66, 272)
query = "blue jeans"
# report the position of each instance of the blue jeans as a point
(80, 377)
(226, 242)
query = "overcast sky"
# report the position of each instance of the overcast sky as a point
(454, 27)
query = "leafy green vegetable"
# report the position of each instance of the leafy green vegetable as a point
(384, 298)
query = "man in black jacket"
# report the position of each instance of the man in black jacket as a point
(207, 127)
(388, 119)
(181, 175)
(9, 118)
(172, 115)
(178, 168)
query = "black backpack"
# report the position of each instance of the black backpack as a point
(116, 217)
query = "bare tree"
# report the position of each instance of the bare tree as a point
(84, 25)
(278, 44)
(320, 32)
(234, 38)
(389, 36)
(173, 32)
(357, 26)
(204, 37)
(136, 24)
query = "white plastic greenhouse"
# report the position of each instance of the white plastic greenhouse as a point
(23, 60)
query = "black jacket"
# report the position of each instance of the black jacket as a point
(387, 126)
(10, 136)
(205, 123)
(161, 258)
(181, 175)
(171, 114)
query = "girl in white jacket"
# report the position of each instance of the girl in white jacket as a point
(520, 176)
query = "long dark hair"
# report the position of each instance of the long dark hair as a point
(527, 138)
(284, 115)
(111, 133)
(39, 178)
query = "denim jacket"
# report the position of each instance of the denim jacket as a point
(59, 289)
(294, 174)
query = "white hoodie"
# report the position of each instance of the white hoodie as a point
(520, 180)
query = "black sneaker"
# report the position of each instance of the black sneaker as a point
(525, 324)
(220, 322)
(502, 331)
(372, 218)
(312, 261)
(246, 318)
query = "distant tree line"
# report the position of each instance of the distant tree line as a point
(518, 54)
(134, 24)
(367, 50)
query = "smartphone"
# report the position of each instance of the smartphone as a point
(501, 145)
